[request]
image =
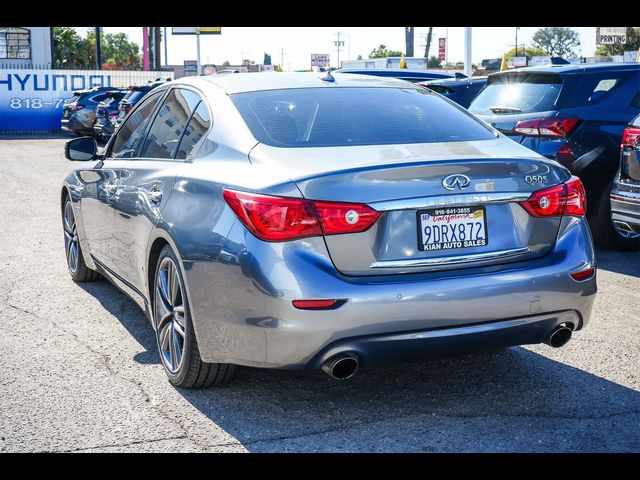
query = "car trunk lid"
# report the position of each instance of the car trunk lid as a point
(405, 184)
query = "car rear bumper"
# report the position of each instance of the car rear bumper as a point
(242, 311)
(383, 349)
(625, 207)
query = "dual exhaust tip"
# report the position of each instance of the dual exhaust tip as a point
(345, 365)
(559, 337)
(342, 366)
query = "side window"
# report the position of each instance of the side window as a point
(132, 130)
(196, 128)
(593, 88)
(100, 98)
(169, 124)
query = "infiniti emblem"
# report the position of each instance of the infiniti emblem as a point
(457, 180)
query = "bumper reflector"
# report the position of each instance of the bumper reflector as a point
(584, 274)
(328, 304)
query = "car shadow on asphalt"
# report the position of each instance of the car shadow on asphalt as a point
(627, 263)
(505, 400)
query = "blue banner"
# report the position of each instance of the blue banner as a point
(32, 100)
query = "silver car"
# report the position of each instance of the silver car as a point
(326, 222)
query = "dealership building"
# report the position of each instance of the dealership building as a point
(25, 47)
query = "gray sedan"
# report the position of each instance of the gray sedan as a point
(326, 222)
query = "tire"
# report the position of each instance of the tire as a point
(605, 233)
(73, 252)
(177, 344)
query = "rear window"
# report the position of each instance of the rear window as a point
(518, 93)
(133, 96)
(323, 117)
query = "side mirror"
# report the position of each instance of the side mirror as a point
(81, 149)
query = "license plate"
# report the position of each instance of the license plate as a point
(451, 228)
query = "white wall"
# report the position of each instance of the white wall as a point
(40, 49)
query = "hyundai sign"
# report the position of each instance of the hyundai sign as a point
(31, 100)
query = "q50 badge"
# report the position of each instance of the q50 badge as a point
(534, 179)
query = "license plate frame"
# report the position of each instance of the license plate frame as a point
(457, 244)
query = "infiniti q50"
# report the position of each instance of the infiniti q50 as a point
(326, 222)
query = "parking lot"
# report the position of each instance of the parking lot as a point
(80, 370)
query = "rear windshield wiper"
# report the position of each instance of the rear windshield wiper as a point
(505, 110)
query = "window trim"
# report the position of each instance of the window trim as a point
(108, 154)
(21, 31)
(196, 147)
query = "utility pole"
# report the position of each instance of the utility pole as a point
(467, 51)
(516, 54)
(282, 54)
(164, 40)
(408, 36)
(428, 47)
(157, 54)
(338, 43)
(98, 50)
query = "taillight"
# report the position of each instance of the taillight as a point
(565, 199)
(548, 127)
(576, 198)
(630, 137)
(78, 106)
(277, 219)
(336, 217)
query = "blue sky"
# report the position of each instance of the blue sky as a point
(237, 43)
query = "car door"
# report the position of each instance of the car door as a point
(102, 191)
(145, 181)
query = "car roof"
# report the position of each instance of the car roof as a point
(574, 68)
(253, 82)
(397, 72)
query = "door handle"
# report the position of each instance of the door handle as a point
(110, 188)
(155, 196)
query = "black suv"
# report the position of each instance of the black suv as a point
(79, 112)
(574, 114)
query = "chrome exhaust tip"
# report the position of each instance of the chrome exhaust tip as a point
(559, 337)
(342, 366)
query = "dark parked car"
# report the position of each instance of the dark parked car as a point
(625, 194)
(132, 97)
(574, 114)
(462, 90)
(107, 114)
(79, 112)
(413, 76)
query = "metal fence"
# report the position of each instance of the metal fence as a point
(31, 97)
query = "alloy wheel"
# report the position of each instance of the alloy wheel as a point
(70, 238)
(170, 315)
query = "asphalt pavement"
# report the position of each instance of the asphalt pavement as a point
(79, 369)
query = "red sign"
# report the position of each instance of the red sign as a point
(442, 49)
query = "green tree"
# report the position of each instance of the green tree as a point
(381, 52)
(73, 51)
(557, 41)
(433, 62)
(69, 49)
(633, 43)
(226, 63)
(528, 52)
(117, 51)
